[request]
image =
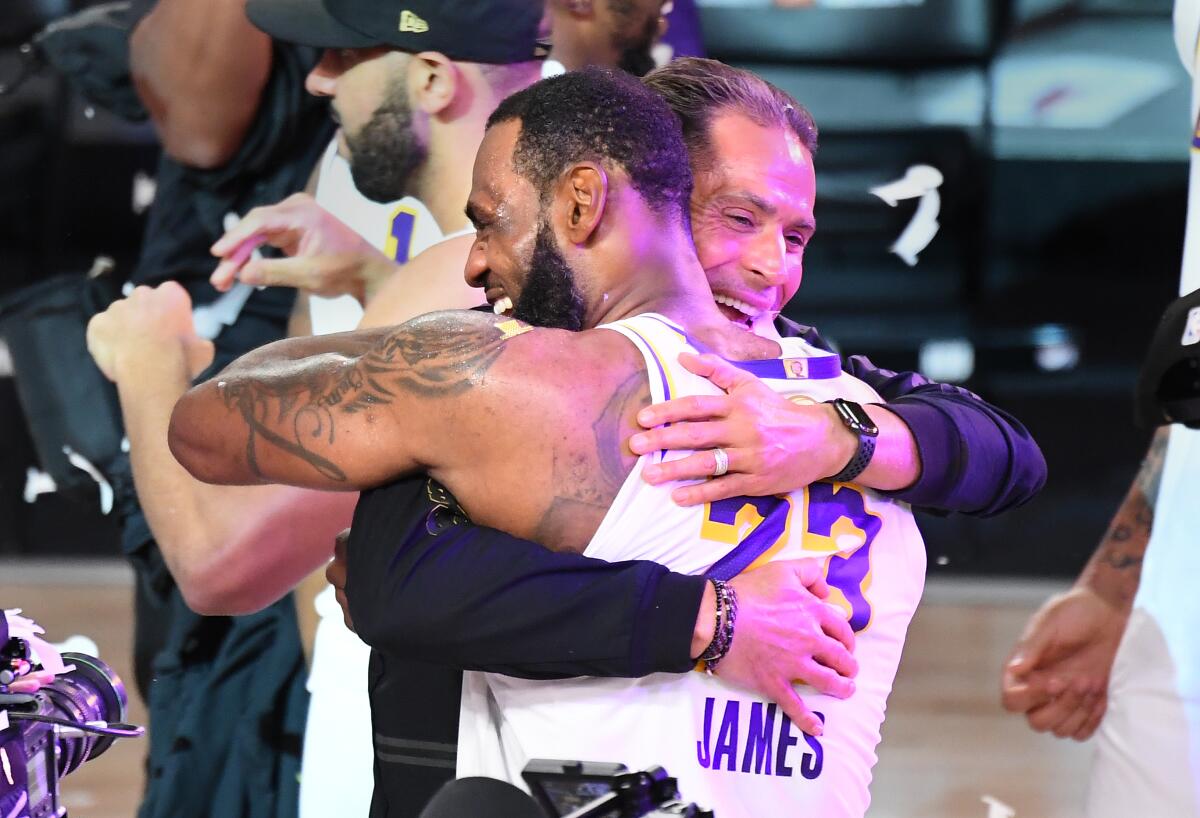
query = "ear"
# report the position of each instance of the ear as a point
(433, 82)
(583, 192)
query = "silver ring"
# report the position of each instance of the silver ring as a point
(722, 462)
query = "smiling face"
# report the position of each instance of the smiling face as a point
(515, 258)
(752, 215)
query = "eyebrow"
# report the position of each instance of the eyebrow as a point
(768, 208)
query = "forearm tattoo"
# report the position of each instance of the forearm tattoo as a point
(1117, 566)
(297, 408)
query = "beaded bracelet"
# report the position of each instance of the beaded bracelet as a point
(726, 615)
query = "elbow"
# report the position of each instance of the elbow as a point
(187, 442)
(205, 572)
(210, 599)
(213, 590)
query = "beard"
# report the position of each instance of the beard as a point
(386, 152)
(550, 297)
(634, 47)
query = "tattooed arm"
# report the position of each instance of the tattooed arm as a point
(344, 411)
(1058, 672)
(1115, 570)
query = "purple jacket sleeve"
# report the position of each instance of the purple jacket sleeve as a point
(975, 458)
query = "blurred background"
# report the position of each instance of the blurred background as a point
(1059, 131)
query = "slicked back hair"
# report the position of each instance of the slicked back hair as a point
(606, 117)
(698, 90)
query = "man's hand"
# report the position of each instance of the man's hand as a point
(774, 445)
(326, 257)
(335, 572)
(786, 633)
(151, 323)
(1058, 672)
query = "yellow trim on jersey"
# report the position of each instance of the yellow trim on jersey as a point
(512, 328)
(658, 357)
(390, 244)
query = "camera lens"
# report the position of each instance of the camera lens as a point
(90, 692)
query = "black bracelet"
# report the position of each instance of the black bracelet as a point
(731, 610)
(714, 644)
(723, 628)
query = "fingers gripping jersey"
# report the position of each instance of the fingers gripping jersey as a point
(731, 751)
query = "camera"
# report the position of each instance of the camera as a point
(56, 712)
(585, 789)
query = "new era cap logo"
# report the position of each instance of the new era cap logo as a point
(412, 23)
(1191, 330)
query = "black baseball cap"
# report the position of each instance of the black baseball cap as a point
(1168, 389)
(485, 31)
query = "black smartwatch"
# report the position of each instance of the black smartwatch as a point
(859, 422)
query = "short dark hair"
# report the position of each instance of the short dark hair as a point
(604, 116)
(697, 89)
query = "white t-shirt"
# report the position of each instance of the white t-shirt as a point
(1172, 561)
(731, 751)
(401, 229)
(1148, 746)
(337, 771)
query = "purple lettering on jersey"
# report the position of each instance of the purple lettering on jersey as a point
(812, 763)
(759, 737)
(727, 739)
(720, 752)
(703, 754)
(774, 512)
(825, 507)
(401, 234)
(786, 740)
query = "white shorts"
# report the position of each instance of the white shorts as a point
(337, 773)
(1148, 745)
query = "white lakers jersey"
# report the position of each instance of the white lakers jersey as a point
(731, 751)
(401, 229)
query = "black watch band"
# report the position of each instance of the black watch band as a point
(858, 421)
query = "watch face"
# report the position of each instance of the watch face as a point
(856, 418)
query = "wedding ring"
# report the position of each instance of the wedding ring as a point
(722, 462)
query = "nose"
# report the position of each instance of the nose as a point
(322, 79)
(767, 257)
(477, 269)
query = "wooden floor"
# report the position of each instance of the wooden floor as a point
(946, 742)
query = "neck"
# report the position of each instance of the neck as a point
(669, 281)
(443, 182)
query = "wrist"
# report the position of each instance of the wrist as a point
(1116, 595)
(841, 442)
(152, 360)
(375, 272)
(704, 631)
